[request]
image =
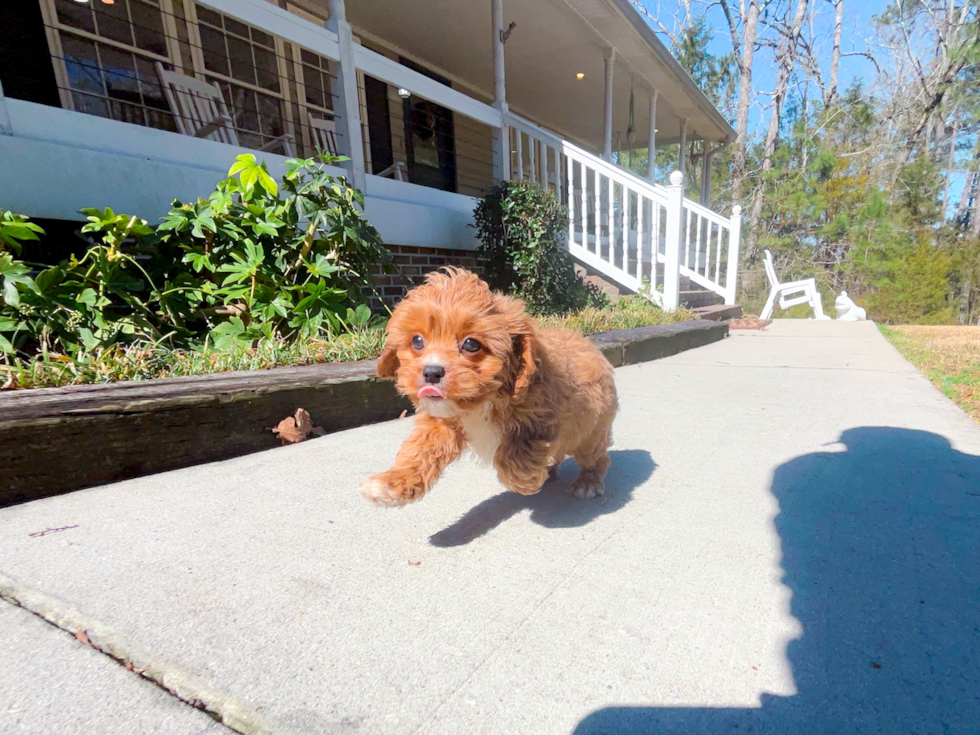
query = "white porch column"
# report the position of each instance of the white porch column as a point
(5, 126)
(652, 149)
(672, 242)
(609, 55)
(683, 147)
(706, 156)
(501, 135)
(348, 107)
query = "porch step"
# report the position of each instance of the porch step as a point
(719, 312)
(694, 299)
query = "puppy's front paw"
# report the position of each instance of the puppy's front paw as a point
(385, 491)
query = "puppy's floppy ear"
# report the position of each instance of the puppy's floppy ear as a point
(388, 362)
(526, 352)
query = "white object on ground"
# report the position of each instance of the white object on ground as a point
(791, 293)
(847, 310)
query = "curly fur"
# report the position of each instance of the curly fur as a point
(524, 401)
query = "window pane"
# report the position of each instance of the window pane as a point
(240, 53)
(215, 55)
(113, 22)
(270, 115)
(208, 16)
(309, 57)
(148, 27)
(262, 38)
(75, 15)
(126, 113)
(267, 69)
(120, 75)
(82, 63)
(90, 105)
(314, 90)
(233, 26)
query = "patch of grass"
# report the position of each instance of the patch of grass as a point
(146, 362)
(627, 313)
(948, 356)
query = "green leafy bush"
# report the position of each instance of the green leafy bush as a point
(283, 261)
(256, 261)
(522, 231)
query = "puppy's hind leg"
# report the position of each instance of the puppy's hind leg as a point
(592, 457)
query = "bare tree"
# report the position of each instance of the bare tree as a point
(786, 56)
(743, 25)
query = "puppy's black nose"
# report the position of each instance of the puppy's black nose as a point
(433, 373)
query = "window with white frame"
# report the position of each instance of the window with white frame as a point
(248, 65)
(104, 54)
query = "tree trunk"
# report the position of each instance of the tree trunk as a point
(786, 61)
(949, 166)
(835, 54)
(746, 56)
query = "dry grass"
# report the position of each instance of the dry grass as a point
(948, 356)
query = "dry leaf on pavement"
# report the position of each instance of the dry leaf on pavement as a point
(297, 428)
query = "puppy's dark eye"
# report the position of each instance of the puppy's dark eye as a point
(417, 342)
(471, 345)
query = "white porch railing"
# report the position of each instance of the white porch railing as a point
(623, 226)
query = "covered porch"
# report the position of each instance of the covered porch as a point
(430, 103)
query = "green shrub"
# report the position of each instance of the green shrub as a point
(523, 231)
(287, 262)
(255, 261)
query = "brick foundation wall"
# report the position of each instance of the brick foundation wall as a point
(412, 264)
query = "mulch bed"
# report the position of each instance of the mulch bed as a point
(749, 322)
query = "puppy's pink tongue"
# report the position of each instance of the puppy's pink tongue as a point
(430, 391)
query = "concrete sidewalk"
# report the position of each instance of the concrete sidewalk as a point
(789, 542)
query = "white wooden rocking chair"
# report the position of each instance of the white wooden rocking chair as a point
(791, 293)
(199, 110)
(323, 132)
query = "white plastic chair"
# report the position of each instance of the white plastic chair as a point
(791, 293)
(199, 110)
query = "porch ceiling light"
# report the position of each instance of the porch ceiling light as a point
(404, 93)
(580, 76)
(82, 2)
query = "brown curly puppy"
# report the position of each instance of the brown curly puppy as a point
(484, 376)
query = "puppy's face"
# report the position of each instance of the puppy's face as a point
(453, 345)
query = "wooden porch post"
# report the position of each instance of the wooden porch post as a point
(501, 135)
(652, 149)
(351, 141)
(609, 55)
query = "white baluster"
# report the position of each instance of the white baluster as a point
(734, 237)
(531, 145)
(697, 242)
(520, 155)
(718, 257)
(675, 217)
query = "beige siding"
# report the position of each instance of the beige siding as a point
(474, 156)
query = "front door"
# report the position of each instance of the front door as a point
(430, 145)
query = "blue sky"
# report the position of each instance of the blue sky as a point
(857, 32)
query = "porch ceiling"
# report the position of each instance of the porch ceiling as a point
(552, 42)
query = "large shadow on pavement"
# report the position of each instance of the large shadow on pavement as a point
(552, 507)
(881, 550)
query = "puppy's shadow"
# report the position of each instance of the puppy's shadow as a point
(553, 507)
